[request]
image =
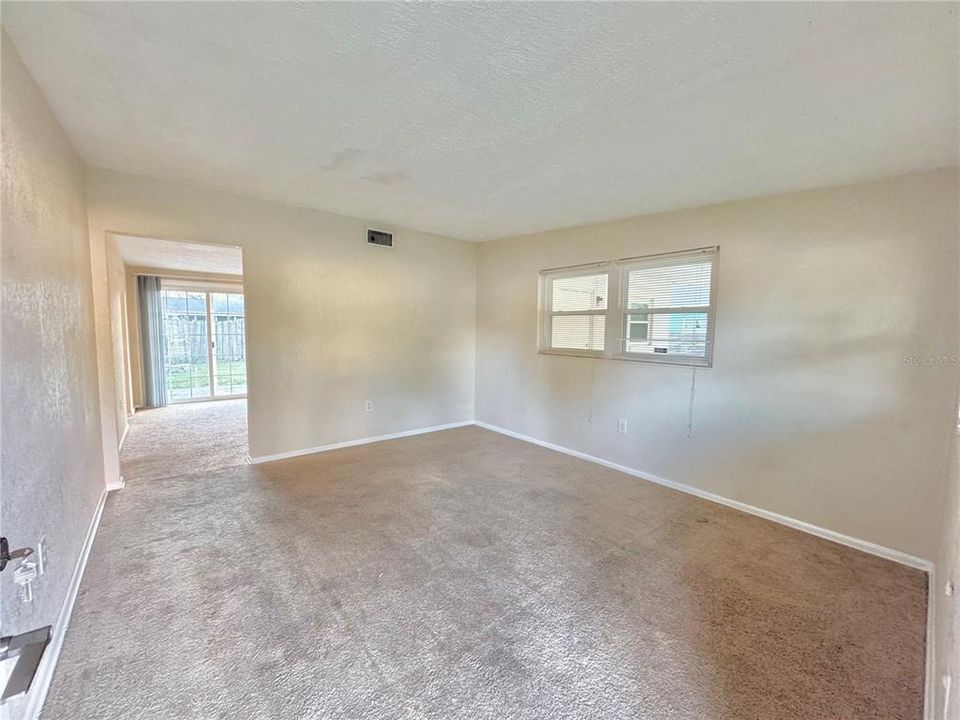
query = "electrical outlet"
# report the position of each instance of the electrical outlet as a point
(622, 426)
(367, 405)
(948, 588)
(23, 577)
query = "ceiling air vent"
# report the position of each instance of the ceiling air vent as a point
(378, 237)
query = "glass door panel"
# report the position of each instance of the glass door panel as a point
(186, 345)
(229, 349)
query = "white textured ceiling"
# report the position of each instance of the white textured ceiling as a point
(486, 120)
(157, 254)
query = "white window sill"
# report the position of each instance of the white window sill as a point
(655, 360)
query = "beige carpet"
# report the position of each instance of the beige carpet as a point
(463, 574)
(186, 438)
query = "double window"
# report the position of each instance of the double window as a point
(658, 308)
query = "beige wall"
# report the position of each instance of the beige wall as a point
(104, 300)
(946, 616)
(809, 409)
(52, 468)
(116, 291)
(331, 322)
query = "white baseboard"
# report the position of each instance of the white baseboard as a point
(120, 484)
(864, 545)
(126, 429)
(44, 676)
(832, 535)
(929, 687)
(361, 441)
(838, 537)
(868, 547)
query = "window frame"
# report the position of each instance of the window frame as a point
(617, 312)
(546, 312)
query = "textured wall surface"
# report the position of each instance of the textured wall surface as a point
(811, 408)
(947, 608)
(52, 469)
(104, 301)
(331, 321)
(116, 295)
(486, 120)
(179, 256)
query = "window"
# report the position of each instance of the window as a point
(578, 311)
(656, 309)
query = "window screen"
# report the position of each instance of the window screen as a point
(657, 309)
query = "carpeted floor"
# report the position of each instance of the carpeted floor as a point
(186, 438)
(463, 574)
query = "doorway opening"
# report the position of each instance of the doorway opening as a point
(184, 356)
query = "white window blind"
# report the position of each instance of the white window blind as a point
(656, 309)
(577, 315)
(674, 294)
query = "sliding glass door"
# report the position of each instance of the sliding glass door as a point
(200, 364)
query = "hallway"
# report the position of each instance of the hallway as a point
(181, 439)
